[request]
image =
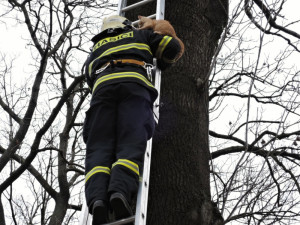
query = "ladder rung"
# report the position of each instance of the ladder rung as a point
(137, 21)
(125, 9)
(123, 221)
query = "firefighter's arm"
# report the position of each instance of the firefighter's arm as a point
(166, 49)
(87, 76)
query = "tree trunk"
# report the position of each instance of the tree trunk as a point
(179, 182)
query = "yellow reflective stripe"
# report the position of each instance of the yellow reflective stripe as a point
(97, 169)
(139, 46)
(129, 164)
(112, 39)
(162, 45)
(90, 68)
(121, 75)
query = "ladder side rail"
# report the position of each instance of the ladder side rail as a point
(85, 218)
(142, 198)
(160, 15)
(160, 9)
(141, 213)
(157, 82)
(121, 5)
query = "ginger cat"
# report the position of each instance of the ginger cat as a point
(162, 27)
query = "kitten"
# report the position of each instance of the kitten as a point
(162, 27)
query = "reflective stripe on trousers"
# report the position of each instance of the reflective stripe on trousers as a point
(129, 164)
(97, 169)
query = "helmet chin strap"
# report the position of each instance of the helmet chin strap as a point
(127, 23)
(111, 30)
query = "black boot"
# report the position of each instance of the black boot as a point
(100, 213)
(120, 206)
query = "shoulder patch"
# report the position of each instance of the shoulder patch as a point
(112, 39)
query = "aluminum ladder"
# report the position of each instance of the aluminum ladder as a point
(142, 198)
(159, 15)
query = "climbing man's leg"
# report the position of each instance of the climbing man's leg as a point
(135, 126)
(100, 130)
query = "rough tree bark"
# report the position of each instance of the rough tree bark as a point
(179, 183)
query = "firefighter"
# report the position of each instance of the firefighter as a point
(120, 119)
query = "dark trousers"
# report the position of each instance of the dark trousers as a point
(117, 127)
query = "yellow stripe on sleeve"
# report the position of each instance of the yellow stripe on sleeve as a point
(162, 45)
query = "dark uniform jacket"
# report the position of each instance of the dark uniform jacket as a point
(128, 43)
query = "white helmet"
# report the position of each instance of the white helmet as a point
(114, 22)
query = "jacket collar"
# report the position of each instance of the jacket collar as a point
(109, 32)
